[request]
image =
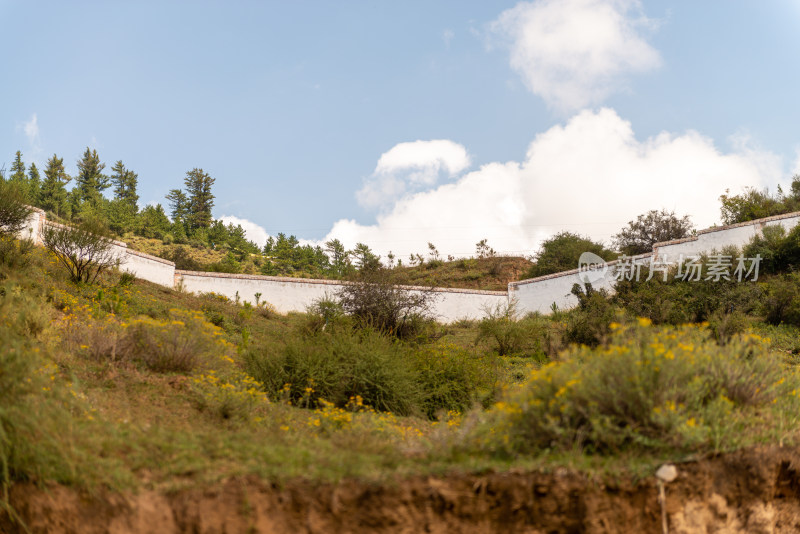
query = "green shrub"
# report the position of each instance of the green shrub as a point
(589, 323)
(326, 313)
(14, 212)
(650, 389)
(375, 302)
(511, 334)
(781, 302)
(231, 396)
(756, 204)
(679, 301)
(336, 366)
(450, 378)
(562, 252)
(182, 344)
(724, 326)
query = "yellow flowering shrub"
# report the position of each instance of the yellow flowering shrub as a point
(237, 396)
(181, 344)
(650, 388)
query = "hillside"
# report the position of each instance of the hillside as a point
(490, 274)
(139, 405)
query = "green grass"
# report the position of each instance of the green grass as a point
(108, 418)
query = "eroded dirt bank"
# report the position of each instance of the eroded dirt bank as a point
(756, 491)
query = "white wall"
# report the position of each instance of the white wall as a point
(538, 294)
(715, 239)
(296, 294)
(147, 267)
(534, 295)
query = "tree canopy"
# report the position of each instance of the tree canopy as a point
(651, 228)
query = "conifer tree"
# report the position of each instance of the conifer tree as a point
(178, 205)
(17, 169)
(54, 193)
(201, 200)
(90, 181)
(34, 184)
(125, 182)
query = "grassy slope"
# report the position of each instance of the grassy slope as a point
(159, 430)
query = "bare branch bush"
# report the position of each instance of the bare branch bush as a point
(85, 250)
(375, 302)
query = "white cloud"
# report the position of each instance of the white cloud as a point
(409, 167)
(252, 231)
(590, 175)
(31, 130)
(447, 37)
(575, 53)
(796, 166)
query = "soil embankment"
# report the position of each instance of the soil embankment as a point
(754, 491)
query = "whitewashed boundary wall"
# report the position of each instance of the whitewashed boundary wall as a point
(533, 295)
(716, 238)
(296, 294)
(539, 294)
(144, 266)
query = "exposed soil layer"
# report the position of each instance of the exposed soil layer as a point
(755, 491)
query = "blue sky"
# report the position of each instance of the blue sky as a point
(400, 123)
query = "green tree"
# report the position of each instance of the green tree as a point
(90, 181)
(14, 212)
(17, 169)
(178, 205)
(757, 204)
(562, 252)
(365, 259)
(152, 222)
(339, 258)
(34, 184)
(201, 200)
(125, 183)
(651, 228)
(218, 234)
(121, 212)
(54, 193)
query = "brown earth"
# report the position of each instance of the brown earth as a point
(755, 491)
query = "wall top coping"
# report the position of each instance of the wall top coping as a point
(712, 229)
(205, 274)
(147, 256)
(513, 285)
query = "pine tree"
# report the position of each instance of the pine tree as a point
(201, 200)
(54, 194)
(18, 169)
(152, 222)
(178, 205)
(90, 181)
(125, 182)
(34, 184)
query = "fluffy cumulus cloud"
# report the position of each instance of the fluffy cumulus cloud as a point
(590, 175)
(252, 231)
(574, 53)
(409, 167)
